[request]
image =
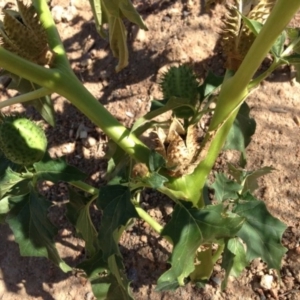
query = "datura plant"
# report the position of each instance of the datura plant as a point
(232, 225)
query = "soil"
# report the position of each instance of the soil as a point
(179, 32)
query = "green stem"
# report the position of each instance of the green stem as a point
(147, 218)
(54, 39)
(218, 253)
(256, 81)
(85, 187)
(25, 97)
(65, 83)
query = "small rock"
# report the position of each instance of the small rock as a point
(129, 114)
(144, 239)
(141, 35)
(68, 148)
(57, 12)
(69, 13)
(217, 280)
(85, 63)
(266, 281)
(169, 209)
(89, 296)
(296, 120)
(90, 142)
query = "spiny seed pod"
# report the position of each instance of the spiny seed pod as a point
(22, 33)
(180, 82)
(21, 140)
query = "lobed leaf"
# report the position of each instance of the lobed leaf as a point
(234, 259)
(225, 188)
(261, 232)
(188, 229)
(32, 230)
(115, 201)
(13, 183)
(78, 213)
(56, 170)
(241, 131)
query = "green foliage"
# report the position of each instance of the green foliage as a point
(234, 224)
(56, 170)
(240, 133)
(261, 232)
(78, 213)
(112, 13)
(32, 230)
(189, 228)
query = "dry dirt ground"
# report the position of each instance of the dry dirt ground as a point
(179, 32)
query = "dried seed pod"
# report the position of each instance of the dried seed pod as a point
(236, 37)
(21, 33)
(179, 147)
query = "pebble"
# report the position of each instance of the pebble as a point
(129, 114)
(266, 281)
(89, 296)
(296, 120)
(141, 35)
(90, 142)
(69, 13)
(86, 62)
(57, 12)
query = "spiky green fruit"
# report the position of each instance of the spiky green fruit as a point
(22, 141)
(180, 82)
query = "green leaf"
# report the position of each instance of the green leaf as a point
(13, 183)
(158, 109)
(210, 85)
(188, 229)
(118, 42)
(112, 12)
(4, 209)
(97, 272)
(107, 278)
(248, 179)
(156, 161)
(234, 259)
(120, 8)
(78, 213)
(241, 131)
(56, 170)
(261, 232)
(117, 208)
(155, 180)
(203, 267)
(119, 288)
(225, 188)
(32, 230)
(100, 15)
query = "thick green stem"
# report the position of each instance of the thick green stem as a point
(65, 83)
